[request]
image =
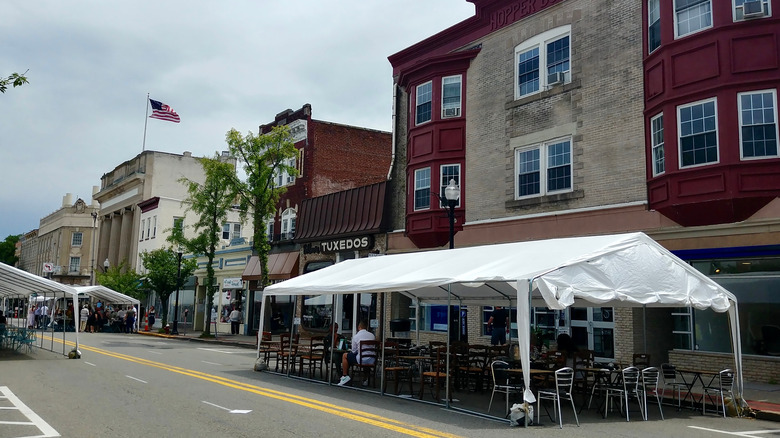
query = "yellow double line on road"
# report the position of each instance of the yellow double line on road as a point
(352, 414)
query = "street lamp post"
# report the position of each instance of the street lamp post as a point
(175, 330)
(450, 199)
(106, 265)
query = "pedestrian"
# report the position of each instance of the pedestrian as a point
(31, 317)
(152, 316)
(84, 317)
(499, 321)
(130, 319)
(235, 320)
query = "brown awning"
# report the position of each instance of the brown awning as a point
(281, 266)
(347, 213)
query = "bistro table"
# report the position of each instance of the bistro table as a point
(697, 376)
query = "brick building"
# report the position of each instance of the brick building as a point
(542, 111)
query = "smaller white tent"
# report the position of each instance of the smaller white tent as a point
(613, 270)
(110, 296)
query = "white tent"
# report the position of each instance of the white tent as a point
(111, 296)
(614, 270)
(15, 283)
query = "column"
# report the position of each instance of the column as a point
(113, 246)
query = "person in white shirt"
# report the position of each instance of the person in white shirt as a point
(350, 358)
(83, 317)
(235, 318)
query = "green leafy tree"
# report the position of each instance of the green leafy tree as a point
(15, 79)
(8, 250)
(210, 201)
(162, 274)
(263, 157)
(123, 280)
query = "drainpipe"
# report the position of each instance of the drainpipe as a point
(392, 151)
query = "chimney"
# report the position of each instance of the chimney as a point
(187, 154)
(67, 200)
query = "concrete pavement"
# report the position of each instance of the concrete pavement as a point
(763, 399)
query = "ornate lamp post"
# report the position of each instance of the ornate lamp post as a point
(450, 199)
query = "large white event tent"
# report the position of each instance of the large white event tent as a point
(623, 270)
(16, 283)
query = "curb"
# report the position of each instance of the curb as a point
(767, 415)
(198, 339)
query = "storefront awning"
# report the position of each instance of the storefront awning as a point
(281, 266)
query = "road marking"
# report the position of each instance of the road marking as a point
(90, 363)
(747, 433)
(337, 410)
(211, 363)
(232, 411)
(35, 420)
(153, 352)
(136, 379)
(219, 350)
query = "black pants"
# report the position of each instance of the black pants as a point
(234, 325)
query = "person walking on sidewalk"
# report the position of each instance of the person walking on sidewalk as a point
(235, 318)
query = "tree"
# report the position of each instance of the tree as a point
(211, 202)
(123, 280)
(162, 274)
(16, 79)
(8, 250)
(264, 157)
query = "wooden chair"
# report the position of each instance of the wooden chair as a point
(288, 351)
(313, 356)
(436, 374)
(396, 367)
(641, 360)
(268, 347)
(368, 354)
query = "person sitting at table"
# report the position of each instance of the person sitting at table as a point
(567, 345)
(351, 357)
(332, 344)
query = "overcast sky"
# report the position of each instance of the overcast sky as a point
(218, 64)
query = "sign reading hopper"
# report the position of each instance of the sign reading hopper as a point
(336, 245)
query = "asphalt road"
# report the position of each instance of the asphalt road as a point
(131, 386)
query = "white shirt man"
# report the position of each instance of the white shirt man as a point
(350, 358)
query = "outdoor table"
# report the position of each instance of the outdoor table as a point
(601, 377)
(697, 376)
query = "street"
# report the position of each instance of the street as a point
(129, 386)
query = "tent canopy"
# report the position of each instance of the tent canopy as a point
(614, 270)
(107, 295)
(623, 270)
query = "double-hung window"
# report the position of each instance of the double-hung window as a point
(692, 16)
(698, 131)
(657, 138)
(269, 228)
(422, 189)
(749, 9)
(282, 177)
(231, 230)
(544, 169)
(75, 264)
(758, 124)
(288, 224)
(543, 61)
(449, 172)
(653, 25)
(77, 239)
(450, 96)
(423, 109)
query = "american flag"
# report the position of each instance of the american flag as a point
(163, 112)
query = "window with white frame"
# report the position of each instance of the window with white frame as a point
(544, 169)
(148, 228)
(143, 229)
(231, 230)
(758, 124)
(154, 227)
(698, 133)
(657, 139)
(448, 172)
(288, 224)
(178, 223)
(692, 16)
(450, 96)
(653, 25)
(749, 9)
(422, 189)
(682, 328)
(423, 111)
(77, 238)
(269, 228)
(75, 264)
(284, 178)
(543, 61)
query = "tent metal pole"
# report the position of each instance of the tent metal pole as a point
(449, 319)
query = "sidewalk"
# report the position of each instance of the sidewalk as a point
(763, 398)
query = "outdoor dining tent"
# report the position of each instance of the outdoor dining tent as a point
(15, 283)
(111, 296)
(623, 270)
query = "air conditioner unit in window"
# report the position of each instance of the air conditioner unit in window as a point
(452, 112)
(753, 9)
(556, 78)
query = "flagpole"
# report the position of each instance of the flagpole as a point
(146, 120)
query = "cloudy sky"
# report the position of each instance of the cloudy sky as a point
(219, 64)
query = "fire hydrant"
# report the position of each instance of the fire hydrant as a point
(167, 329)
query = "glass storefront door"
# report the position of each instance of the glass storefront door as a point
(593, 328)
